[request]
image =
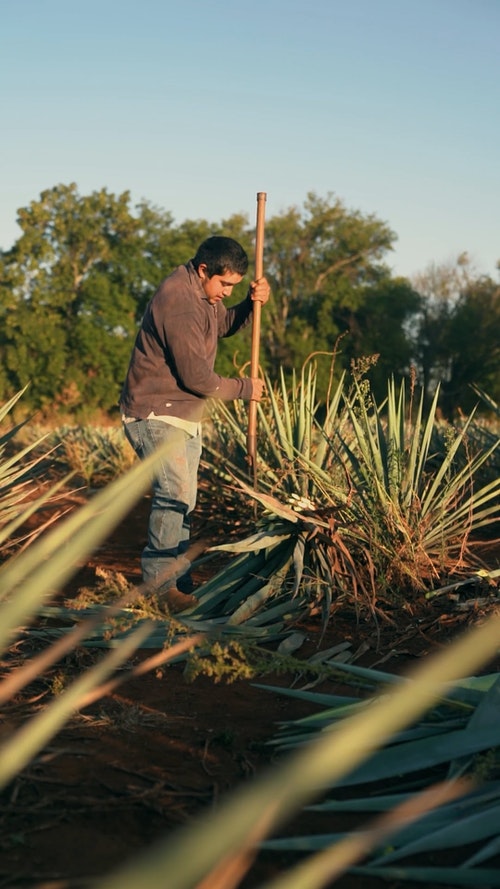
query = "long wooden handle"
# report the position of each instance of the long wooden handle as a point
(254, 357)
(259, 268)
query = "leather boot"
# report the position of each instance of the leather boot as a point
(176, 601)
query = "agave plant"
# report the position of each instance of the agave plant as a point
(363, 509)
(455, 742)
(425, 514)
(21, 470)
(482, 433)
(96, 454)
(218, 848)
(301, 488)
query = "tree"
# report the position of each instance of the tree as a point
(474, 347)
(379, 327)
(456, 334)
(164, 246)
(66, 312)
(326, 267)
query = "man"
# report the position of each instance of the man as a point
(170, 376)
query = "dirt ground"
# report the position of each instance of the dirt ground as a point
(141, 762)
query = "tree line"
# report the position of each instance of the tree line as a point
(75, 284)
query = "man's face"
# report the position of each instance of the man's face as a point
(218, 286)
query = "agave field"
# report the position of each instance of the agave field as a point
(327, 713)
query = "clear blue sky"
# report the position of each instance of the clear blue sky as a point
(196, 105)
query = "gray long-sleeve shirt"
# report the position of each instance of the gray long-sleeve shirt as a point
(171, 370)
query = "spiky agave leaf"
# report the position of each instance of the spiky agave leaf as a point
(97, 454)
(453, 736)
(323, 570)
(386, 518)
(422, 516)
(288, 430)
(243, 820)
(20, 470)
(29, 578)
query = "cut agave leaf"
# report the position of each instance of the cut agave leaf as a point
(473, 878)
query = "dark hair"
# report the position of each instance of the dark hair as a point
(221, 255)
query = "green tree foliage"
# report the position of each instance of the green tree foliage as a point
(474, 346)
(67, 310)
(163, 246)
(329, 281)
(456, 335)
(379, 328)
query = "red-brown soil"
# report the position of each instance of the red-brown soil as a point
(139, 763)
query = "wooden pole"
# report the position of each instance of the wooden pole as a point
(254, 357)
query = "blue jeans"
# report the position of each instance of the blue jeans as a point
(175, 487)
